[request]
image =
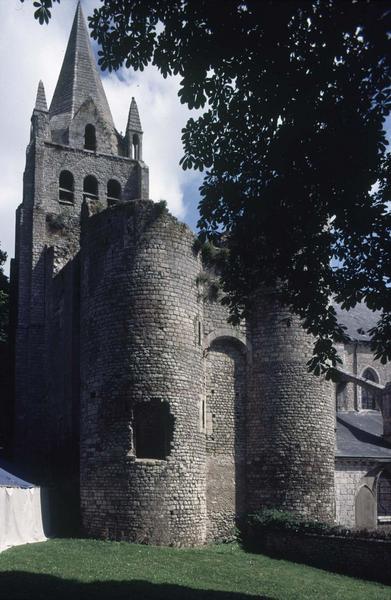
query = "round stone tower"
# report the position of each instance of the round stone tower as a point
(290, 419)
(142, 448)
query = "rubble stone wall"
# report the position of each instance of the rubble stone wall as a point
(140, 344)
(291, 438)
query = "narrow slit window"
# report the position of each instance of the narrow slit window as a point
(203, 415)
(66, 187)
(90, 187)
(384, 495)
(136, 147)
(199, 333)
(152, 429)
(89, 138)
(113, 192)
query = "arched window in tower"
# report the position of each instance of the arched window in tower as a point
(65, 187)
(368, 396)
(384, 495)
(90, 187)
(113, 192)
(136, 147)
(89, 138)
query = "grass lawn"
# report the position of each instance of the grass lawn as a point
(76, 569)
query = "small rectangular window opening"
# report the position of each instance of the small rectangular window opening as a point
(153, 429)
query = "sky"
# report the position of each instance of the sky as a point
(31, 52)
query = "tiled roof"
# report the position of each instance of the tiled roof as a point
(359, 434)
(357, 320)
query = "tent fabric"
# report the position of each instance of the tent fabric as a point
(20, 516)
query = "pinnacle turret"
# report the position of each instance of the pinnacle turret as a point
(40, 103)
(79, 79)
(134, 133)
(134, 123)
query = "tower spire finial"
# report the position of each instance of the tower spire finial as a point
(134, 123)
(40, 102)
(79, 78)
(134, 133)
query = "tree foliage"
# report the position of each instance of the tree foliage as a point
(42, 12)
(292, 136)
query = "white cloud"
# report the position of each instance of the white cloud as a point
(162, 118)
(31, 52)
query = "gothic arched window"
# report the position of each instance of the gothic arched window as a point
(90, 187)
(341, 396)
(89, 138)
(113, 191)
(65, 187)
(384, 494)
(368, 401)
(136, 147)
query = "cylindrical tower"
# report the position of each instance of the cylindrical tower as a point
(142, 464)
(290, 435)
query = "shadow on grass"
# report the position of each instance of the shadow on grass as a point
(329, 555)
(19, 585)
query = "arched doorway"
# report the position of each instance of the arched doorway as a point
(365, 508)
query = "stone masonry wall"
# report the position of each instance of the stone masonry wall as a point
(225, 436)
(140, 344)
(291, 438)
(63, 368)
(357, 557)
(350, 476)
(47, 223)
(86, 162)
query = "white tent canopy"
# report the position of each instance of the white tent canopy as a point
(21, 519)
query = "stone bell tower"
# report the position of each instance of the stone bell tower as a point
(75, 158)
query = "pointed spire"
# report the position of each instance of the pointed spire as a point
(134, 123)
(134, 133)
(79, 78)
(40, 103)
